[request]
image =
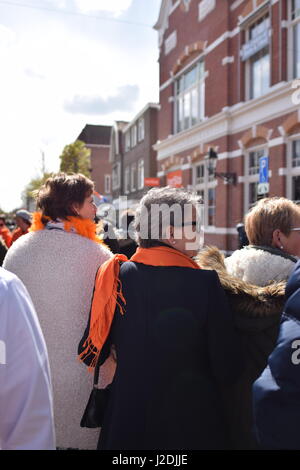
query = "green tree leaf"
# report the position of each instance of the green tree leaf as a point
(75, 158)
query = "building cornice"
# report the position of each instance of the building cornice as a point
(145, 108)
(231, 120)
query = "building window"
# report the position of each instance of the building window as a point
(211, 206)
(293, 168)
(205, 183)
(141, 129)
(254, 161)
(116, 176)
(255, 52)
(127, 180)
(252, 194)
(133, 177)
(296, 153)
(133, 136)
(127, 141)
(107, 179)
(252, 176)
(295, 17)
(296, 188)
(141, 174)
(259, 73)
(189, 97)
(199, 170)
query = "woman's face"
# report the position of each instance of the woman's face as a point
(88, 209)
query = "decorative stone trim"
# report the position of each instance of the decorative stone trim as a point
(251, 6)
(290, 123)
(227, 60)
(255, 132)
(197, 46)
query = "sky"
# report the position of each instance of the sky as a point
(65, 64)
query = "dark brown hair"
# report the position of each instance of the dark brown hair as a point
(57, 195)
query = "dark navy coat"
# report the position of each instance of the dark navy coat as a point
(277, 391)
(175, 344)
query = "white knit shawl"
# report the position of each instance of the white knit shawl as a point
(58, 269)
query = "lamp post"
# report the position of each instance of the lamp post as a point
(211, 159)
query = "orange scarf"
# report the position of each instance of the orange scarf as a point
(84, 227)
(108, 292)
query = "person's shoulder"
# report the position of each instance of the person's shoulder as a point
(130, 267)
(8, 281)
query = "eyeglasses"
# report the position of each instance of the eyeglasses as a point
(194, 223)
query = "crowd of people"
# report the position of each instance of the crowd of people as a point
(196, 350)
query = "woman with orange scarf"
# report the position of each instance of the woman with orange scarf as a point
(169, 323)
(58, 261)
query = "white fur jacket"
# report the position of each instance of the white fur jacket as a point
(255, 279)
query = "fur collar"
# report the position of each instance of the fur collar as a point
(247, 299)
(259, 266)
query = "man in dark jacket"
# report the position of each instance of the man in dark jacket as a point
(277, 391)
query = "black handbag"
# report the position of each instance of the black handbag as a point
(95, 409)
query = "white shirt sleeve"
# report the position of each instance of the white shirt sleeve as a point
(26, 403)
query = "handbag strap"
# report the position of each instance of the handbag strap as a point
(96, 373)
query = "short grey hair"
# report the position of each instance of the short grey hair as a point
(150, 216)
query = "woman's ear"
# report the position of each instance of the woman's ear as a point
(276, 238)
(75, 208)
(170, 232)
(169, 235)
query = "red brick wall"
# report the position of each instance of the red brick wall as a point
(100, 166)
(165, 115)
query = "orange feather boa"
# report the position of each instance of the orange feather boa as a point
(84, 227)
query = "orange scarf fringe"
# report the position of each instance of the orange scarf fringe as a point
(108, 293)
(84, 227)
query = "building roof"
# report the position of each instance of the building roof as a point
(97, 135)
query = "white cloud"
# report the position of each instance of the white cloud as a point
(117, 7)
(7, 36)
(123, 100)
(48, 63)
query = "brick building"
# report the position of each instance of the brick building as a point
(116, 160)
(139, 159)
(227, 72)
(97, 139)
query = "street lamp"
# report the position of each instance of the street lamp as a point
(211, 159)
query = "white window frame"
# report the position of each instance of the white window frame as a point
(140, 174)
(208, 182)
(254, 177)
(248, 83)
(133, 136)
(291, 25)
(133, 177)
(107, 184)
(141, 129)
(116, 176)
(127, 141)
(291, 170)
(127, 180)
(199, 86)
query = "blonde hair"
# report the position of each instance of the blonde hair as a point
(268, 215)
